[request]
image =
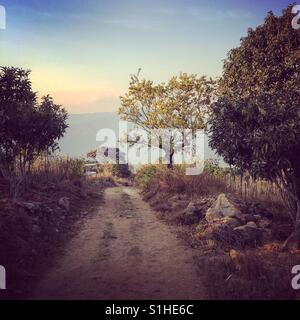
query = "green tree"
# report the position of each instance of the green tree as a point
(28, 128)
(267, 60)
(181, 103)
(255, 123)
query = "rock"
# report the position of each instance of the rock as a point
(249, 234)
(212, 230)
(225, 224)
(225, 221)
(192, 214)
(227, 208)
(212, 215)
(231, 222)
(251, 224)
(223, 208)
(30, 206)
(221, 234)
(64, 202)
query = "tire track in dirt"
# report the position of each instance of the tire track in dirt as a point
(123, 252)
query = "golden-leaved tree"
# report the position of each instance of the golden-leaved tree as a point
(181, 103)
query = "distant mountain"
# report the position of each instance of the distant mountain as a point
(80, 137)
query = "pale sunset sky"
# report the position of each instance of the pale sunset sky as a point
(82, 52)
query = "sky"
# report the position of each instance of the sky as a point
(82, 52)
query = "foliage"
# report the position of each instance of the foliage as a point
(255, 124)
(28, 127)
(212, 167)
(267, 60)
(259, 134)
(144, 175)
(116, 170)
(160, 179)
(181, 103)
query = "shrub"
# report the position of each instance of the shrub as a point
(212, 167)
(160, 178)
(144, 175)
(115, 170)
(255, 122)
(28, 127)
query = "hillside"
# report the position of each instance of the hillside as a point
(80, 137)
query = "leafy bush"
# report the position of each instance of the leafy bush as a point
(115, 170)
(29, 127)
(154, 178)
(144, 175)
(255, 121)
(212, 167)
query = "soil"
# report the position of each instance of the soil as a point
(123, 251)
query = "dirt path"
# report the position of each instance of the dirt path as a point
(123, 252)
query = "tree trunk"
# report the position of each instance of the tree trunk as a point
(171, 162)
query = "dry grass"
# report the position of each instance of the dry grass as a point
(260, 270)
(29, 238)
(262, 273)
(160, 179)
(254, 190)
(57, 168)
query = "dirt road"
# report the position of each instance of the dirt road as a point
(123, 252)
